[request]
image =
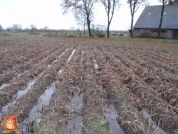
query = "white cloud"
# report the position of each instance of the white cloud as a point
(48, 13)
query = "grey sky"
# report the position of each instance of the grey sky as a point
(48, 13)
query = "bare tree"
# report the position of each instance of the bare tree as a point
(15, 27)
(80, 17)
(173, 2)
(8, 29)
(45, 28)
(1, 28)
(164, 2)
(109, 6)
(85, 6)
(19, 27)
(32, 26)
(134, 6)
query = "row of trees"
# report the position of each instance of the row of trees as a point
(18, 28)
(83, 11)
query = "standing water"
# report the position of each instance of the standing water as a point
(111, 116)
(70, 57)
(74, 125)
(16, 97)
(152, 125)
(36, 112)
(110, 112)
(4, 85)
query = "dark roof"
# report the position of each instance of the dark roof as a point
(150, 17)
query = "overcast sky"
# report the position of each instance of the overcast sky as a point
(43, 13)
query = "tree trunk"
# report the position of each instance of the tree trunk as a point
(88, 24)
(108, 22)
(108, 31)
(161, 20)
(84, 29)
(131, 30)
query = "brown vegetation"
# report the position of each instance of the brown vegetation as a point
(132, 75)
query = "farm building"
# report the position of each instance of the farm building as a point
(148, 22)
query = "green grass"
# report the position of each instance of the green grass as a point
(100, 127)
(43, 127)
(4, 93)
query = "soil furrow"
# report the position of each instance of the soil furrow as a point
(161, 112)
(19, 70)
(22, 110)
(166, 86)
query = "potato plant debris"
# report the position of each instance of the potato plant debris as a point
(90, 86)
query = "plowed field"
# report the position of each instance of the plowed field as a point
(90, 86)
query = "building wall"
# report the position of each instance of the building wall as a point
(167, 34)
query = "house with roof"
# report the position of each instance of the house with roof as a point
(148, 22)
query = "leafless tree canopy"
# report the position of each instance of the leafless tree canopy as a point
(85, 6)
(80, 18)
(134, 6)
(16, 27)
(109, 6)
(32, 26)
(173, 2)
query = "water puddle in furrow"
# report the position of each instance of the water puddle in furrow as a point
(16, 97)
(57, 59)
(82, 60)
(110, 112)
(74, 125)
(95, 64)
(69, 58)
(45, 58)
(4, 85)
(112, 116)
(36, 112)
(19, 75)
(152, 125)
(21, 92)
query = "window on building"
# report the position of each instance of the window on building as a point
(163, 31)
(156, 31)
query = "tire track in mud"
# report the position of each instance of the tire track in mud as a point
(75, 121)
(152, 125)
(129, 118)
(22, 81)
(162, 113)
(91, 97)
(109, 109)
(35, 113)
(92, 109)
(64, 104)
(48, 76)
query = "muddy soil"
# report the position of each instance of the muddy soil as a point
(89, 86)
